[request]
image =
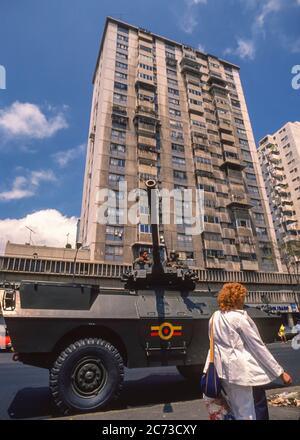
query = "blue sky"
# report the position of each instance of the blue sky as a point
(49, 50)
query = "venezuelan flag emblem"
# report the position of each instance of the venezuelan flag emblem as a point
(166, 331)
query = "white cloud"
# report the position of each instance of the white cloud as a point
(63, 158)
(188, 21)
(269, 7)
(50, 227)
(245, 49)
(27, 186)
(26, 120)
(201, 48)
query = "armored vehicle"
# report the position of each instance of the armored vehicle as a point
(87, 334)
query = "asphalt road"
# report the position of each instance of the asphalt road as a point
(25, 395)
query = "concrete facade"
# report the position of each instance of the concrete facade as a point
(279, 156)
(166, 111)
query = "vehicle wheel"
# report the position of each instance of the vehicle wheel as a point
(191, 372)
(86, 376)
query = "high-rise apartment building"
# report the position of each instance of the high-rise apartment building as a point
(279, 156)
(167, 111)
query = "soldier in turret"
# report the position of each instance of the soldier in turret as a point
(142, 260)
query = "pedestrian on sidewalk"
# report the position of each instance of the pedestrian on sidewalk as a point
(242, 360)
(281, 334)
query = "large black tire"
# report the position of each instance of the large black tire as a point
(86, 376)
(191, 372)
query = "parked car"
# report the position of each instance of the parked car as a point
(5, 341)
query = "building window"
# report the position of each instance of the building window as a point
(179, 175)
(118, 134)
(176, 124)
(170, 55)
(145, 48)
(114, 253)
(145, 76)
(174, 112)
(145, 66)
(115, 178)
(214, 253)
(207, 188)
(120, 98)
(172, 82)
(121, 65)
(145, 229)
(117, 162)
(114, 233)
(121, 55)
(184, 239)
(120, 75)
(177, 135)
(203, 160)
(239, 121)
(117, 148)
(195, 101)
(178, 148)
(173, 91)
(174, 101)
(235, 103)
(195, 92)
(198, 123)
(241, 131)
(171, 72)
(243, 223)
(178, 161)
(211, 219)
(122, 46)
(123, 29)
(122, 38)
(120, 86)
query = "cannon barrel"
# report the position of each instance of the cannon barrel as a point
(151, 186)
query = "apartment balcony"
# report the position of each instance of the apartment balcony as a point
(148, 141)
(286, 201)
(228, 233)
(171, 62)
(146, 125)
(232, 162)
(146, 112)
(196, 109)
(225, 127)
(190, 66)
(145, 152)
(199, 136)
(239, 201)
(204, 167)
(233, 266)
(288, 219)
(216, 80)
(227, 138)
(245, 248)
(249, 265)
(293, 226)
(146, 84)
(215, 263)
(147, 130)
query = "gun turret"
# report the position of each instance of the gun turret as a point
(153, 203)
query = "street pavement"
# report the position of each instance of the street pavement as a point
(148, 394)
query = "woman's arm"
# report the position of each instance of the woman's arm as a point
(249, 333)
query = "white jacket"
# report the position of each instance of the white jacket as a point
(241, 357)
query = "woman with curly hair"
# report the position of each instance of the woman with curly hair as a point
(242, 360)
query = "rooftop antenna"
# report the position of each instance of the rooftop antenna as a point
(31, 231)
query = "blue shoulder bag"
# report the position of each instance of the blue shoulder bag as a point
(210, 382)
